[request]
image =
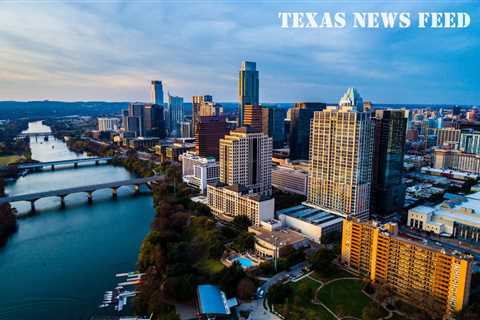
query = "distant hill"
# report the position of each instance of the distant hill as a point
(48, 109)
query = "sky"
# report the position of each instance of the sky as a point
(109, 51)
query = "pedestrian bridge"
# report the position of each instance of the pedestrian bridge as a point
(88, 189)
(52, 164)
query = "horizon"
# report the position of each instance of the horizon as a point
(80, 51)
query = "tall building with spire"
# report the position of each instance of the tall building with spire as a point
(156, 92)
(248, 88)
(352, 100)
(341, 153)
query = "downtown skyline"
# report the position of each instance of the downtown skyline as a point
(110, 52)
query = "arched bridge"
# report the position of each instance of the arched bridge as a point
(52, 164)
(88, 189)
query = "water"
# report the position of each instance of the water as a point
(60, 262)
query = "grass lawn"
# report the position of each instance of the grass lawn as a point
(4, 160)
(300, 302)
(338, 273)
(211, 266)
(344, 297)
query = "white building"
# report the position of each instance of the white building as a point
(108, 124)
(227, 202)
(341, 155)
(290, 180)
(458, 218)
(198, 171)
(312, 222)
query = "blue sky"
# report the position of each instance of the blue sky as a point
(87, 50)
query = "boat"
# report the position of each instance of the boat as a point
(103, 305)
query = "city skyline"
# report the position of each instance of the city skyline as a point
(82, 51)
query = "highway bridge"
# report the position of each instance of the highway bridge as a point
(35, 134)
(88, 189)
(52, 164)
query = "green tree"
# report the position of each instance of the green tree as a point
(278, 293)
(372, 311)
(322, 261)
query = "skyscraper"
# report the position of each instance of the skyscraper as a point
(341, 153)
(352, 99)
(246, 160)
(156, 92)
(210, 130)
(197, 102)
(175, 114)
(388, 192)
(299, 135)
(252, 117)
(144, 119)
(248, 88)
(273, 124)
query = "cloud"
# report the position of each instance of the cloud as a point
(110, 51)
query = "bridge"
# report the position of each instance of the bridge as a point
(35, 134)
(52, 164)
(88, 189)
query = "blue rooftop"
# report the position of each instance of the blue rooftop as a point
(308, 214)
(211, 300)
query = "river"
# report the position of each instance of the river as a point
(60, 262)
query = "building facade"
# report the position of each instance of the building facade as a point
(456, 160)
(388, 191)
(470, 142)
(299, 133)
(175, 115)
(252, 117)
(228, 202)
(246, 160)
(248, 88)
(273, 124)
(458, 218)
(209, 132)
(447, 135)
(186, 129)
(414, 271)
(197, 102)
(290, 180)
(198, 171)
(156, 92)
(341, 155)
(108, 124)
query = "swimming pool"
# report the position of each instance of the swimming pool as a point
(244, 262)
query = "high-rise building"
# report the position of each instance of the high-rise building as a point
(156, 92)
(175, 114)
(197, 102)
(252, 117)
(210, 109)
(144, 120)
(198, 171)
(415, 271)
(246, 160)
(186, 129)
(209, 132)
(470, 142)
(248, 88)
(273, 124)
(352, 100)
(341, 154)
(388, 192)
(447, 135)
(108, 124)
(299, 135)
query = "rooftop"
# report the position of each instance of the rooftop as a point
(211, 300)
(283, 237)
(309, 214)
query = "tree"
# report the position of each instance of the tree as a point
(278, 293)
(372, 311)
(244, 241)
(241, 222)
(8, 218)
(245, 289)
(321, 261)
